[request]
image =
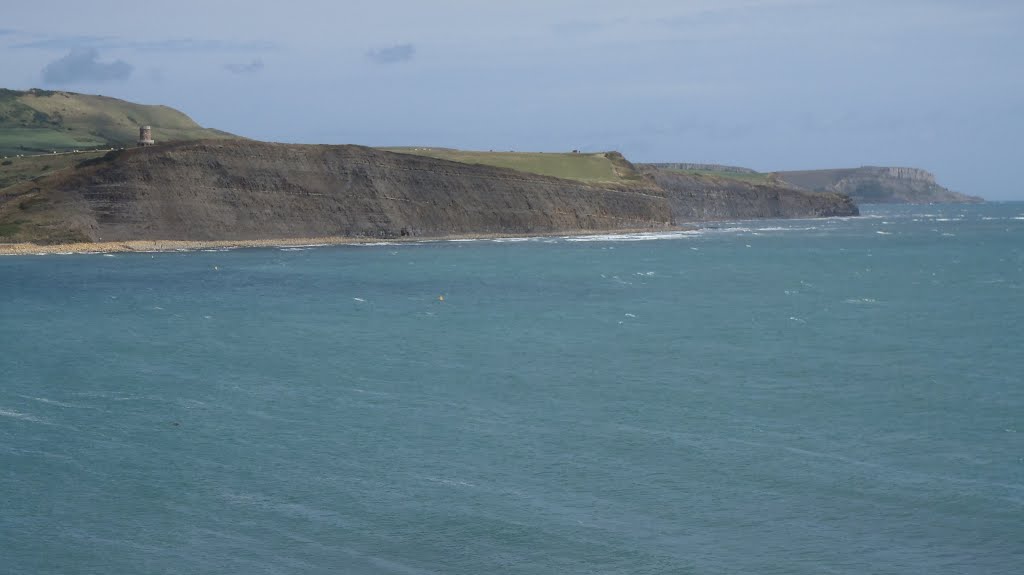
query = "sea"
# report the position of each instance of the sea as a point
(794, 396)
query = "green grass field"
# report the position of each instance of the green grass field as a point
(14, 170)
(14, 141)
(755, 178)
(599, 167)
(42, 121)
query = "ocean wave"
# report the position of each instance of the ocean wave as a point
(448, 482)
(636, 237)
(789, 229)
(51, 401)
(730, 230)
(22, 416)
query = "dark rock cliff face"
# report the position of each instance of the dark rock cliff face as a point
(241, 190)
(695, 198)
(878, 185)
(245, 190)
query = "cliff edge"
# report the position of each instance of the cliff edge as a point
(246, 190)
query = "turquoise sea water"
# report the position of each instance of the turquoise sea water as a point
(811, 396)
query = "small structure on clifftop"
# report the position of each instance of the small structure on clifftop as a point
(146, 136)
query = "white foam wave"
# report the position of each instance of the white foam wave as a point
(881, 233)
(730, 230)
(22, 416)
(639, 237)
(788, 229)
(449, 482)
(50, 401)
(863, 300)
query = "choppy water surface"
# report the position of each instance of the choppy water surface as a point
(838, 396)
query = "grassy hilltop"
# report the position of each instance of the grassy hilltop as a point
(715, 172)
(604, 167)
(41, 121)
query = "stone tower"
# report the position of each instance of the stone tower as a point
(146, 136)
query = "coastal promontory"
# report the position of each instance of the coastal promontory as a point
(70, 172)
(246, 190)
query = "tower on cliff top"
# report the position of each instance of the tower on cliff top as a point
(146, 136)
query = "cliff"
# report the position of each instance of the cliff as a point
(878, 185)
(242, 190)
(695, 197)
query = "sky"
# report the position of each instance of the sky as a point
(765, 84)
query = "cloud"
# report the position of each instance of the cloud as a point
(165, 45)
(392, 54)
(251, 68)
(67, 42)
(7, 31)
(83, 65)
(194, 45)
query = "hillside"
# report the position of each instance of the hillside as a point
(604, 167)
(696, 196)
(41, 121)
(877, 185)
(242, 190)
(714, 171)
